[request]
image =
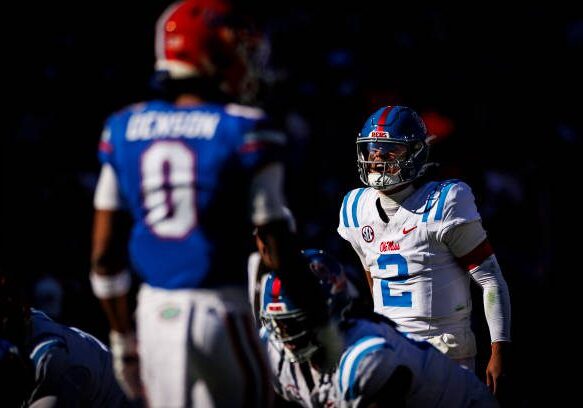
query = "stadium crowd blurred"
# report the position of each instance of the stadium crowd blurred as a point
(499, 90)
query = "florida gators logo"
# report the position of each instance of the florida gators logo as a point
(367, 233)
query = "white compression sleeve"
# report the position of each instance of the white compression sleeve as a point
(496, 298)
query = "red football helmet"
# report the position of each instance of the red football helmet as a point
(204, 38)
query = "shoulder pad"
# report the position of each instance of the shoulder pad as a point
(436, 200)
(351, 359)
(349, 210)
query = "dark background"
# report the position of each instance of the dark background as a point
(498, 85)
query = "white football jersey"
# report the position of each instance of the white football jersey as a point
(416, 280)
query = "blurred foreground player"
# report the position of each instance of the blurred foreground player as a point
(46, 364)
(196, 171)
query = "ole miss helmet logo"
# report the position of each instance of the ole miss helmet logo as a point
(378, 133)
(367, 233)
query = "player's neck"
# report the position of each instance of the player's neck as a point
(391, 201)
(188, 100)
(399, 194)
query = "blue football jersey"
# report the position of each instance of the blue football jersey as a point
(184, 173)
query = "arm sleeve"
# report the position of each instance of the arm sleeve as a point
(253, 263)
(496, 298)
(107, 194)
(267, 200)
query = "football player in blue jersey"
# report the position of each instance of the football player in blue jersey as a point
(420, 241)
(379, 366)
(46, 364)
(196, 171)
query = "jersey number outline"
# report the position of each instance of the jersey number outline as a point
(404, 299)
(168, 175)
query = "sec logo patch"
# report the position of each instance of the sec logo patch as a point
(367, 233)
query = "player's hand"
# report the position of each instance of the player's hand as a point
(126, 364)
(497, 368)
(332, 345)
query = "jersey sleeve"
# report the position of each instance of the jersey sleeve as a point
(348, 220)
(342, 227)
(455, 205)
(105, 149)
(113, 136)
(49, 362)
(350, 212)
(364, 368)
(262, 142)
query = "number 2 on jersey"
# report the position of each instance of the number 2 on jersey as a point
(168, 175)
(404, 299)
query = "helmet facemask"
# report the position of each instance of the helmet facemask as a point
(289, 327)
(386, 164)
(391, 148)
(292, 334)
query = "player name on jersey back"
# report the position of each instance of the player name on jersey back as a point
(154, 124)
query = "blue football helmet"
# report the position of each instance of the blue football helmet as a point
(287, 324)
(391, 148)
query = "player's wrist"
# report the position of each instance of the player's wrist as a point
(499, 347)
(110, 286)
(123, 343)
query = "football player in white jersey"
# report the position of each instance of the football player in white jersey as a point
(421, 241)
(379, 366)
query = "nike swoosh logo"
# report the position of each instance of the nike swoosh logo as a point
(406, 231)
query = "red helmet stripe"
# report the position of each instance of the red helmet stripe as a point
(276, 288)
(383, 116)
